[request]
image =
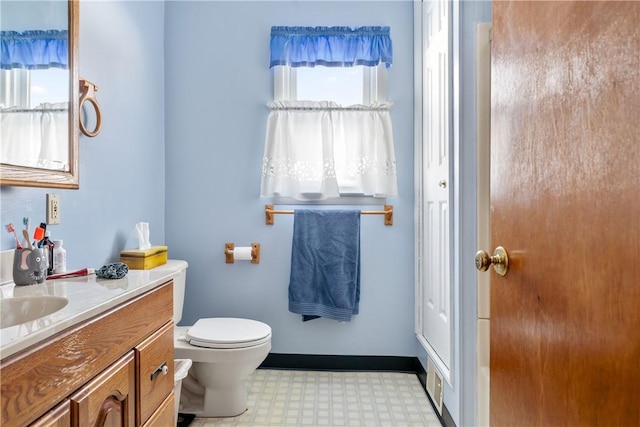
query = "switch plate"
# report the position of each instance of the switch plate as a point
(53, 209)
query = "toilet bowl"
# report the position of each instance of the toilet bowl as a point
(224, 352)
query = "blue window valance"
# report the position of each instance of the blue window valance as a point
(330, 46)
(34, 49)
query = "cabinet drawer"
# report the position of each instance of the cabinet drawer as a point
(165, 415)
(60, 416)
(154, 381)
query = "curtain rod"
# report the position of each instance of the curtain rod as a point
(365, 108)
(34, 110)
(270, 211)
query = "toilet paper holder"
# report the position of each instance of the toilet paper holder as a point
(242, 253)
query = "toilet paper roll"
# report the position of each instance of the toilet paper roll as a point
(242, 253)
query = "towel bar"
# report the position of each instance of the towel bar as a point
(270, 211)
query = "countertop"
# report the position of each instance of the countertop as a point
(88, 296)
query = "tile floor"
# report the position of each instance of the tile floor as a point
(286, 398)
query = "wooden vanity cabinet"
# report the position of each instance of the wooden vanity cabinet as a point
(97, 373)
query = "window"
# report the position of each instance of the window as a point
(329, 129)
(343, 85)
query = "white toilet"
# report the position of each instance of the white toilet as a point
(224, 351)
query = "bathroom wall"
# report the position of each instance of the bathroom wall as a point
(215, 120)
(217, 86)
(122, 169)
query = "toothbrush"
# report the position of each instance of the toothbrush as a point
(25, 233)
(11, 229)
(77, 273)
(27, 222)
(38, 235)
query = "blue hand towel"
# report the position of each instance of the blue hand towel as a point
(325, 264)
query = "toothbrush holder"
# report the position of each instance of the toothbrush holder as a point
(29, 267)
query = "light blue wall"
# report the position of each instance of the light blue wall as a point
(217, 87)
(122, 169)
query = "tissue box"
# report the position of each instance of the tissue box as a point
(137, 259)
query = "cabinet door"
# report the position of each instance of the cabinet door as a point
(60, 416)
(108, 400)
(154, 358)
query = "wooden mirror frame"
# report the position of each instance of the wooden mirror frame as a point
(34, 177)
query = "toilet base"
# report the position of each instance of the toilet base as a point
(227, 401)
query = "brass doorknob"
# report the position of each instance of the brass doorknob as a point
(499, 259)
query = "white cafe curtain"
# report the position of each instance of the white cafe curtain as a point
(317, 149)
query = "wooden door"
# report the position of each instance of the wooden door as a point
(565, 203)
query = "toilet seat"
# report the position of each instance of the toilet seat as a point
(228, 332)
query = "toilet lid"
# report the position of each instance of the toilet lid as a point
(227, 332)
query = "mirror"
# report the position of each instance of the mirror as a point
(39, 93)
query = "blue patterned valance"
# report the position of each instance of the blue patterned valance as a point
(330, 46)
(34, 49)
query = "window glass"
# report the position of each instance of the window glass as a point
(343, 85)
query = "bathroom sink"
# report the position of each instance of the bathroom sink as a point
(17, 310)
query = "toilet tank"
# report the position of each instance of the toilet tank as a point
(178, 270)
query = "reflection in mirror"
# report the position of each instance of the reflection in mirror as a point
(38, 93)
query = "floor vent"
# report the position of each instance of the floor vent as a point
(434, 385)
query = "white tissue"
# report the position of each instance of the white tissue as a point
(242, 253)
(141, 232)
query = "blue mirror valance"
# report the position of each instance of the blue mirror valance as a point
(330, 46)
(34, 49)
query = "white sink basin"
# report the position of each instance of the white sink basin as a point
(17, 310)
